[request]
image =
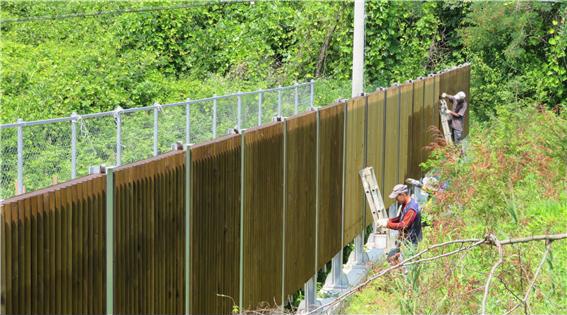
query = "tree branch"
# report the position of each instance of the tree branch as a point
(532, 283)
(476, 242)
(493, 240)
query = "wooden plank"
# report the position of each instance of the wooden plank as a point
(215, 230)
(376, 140)
(138, 214)
(354, 159)
(29, 252)
(331, 182)
(148, 258)
(42, 237)
(406, 103)
(300, 212)
(7, 256)
(87, 223)
(263, 215)
(436, 94)
(69, 258)
(466, 74)
(418, 129)
(391, 145)
(152, 307)
(429, 101)
(34, 254)
(77, 232)
(98, 240)
(162, 243)
(20, 265)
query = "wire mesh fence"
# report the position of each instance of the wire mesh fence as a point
(37, 154)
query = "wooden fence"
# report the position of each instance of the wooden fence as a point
(244, 220)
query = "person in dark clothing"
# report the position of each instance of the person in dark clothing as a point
(458, 113)
(408, 221)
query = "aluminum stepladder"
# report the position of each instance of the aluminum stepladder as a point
(445, 121)
(374, 197)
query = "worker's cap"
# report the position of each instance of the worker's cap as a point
(461, 95)
(398, 189)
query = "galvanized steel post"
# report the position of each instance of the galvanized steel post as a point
(239, 111)
(312, 93)
(74, 118)
(109, 235)
(118, 119)
(188, 214)
(188, 121)
(296, 99)
(214, 116)
(284, 206)
(260, 101)
(20, 186)
(156, 128)
(242, 202)
(280, 100)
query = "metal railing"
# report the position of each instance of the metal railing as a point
(35, 154)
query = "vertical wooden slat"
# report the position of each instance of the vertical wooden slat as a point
(406, 92)
(392, 127)
(263, 216)
(35, 300)
(88, 224)
(147, 218)
(354, 160)
(330, 172)
(216, 216)
(42, 302)
(301, 193)
(78, 232)
(7, 255)
(20, 283)
(375, 140)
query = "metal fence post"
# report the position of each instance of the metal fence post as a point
(109, 240)
(20, 187)
(312, 93)
(188, 187)
(239, 111)
(399, 91)
(279, 100)
(118, 119)
(188, 121)
(284, 207)
(214, 116)
(242, 203)
(317, 184)
(260, 101)
(156, 128)
(296, 99)
(74, 118)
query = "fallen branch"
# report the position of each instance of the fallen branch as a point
(488, 240)
(532, 283)
(493, 240)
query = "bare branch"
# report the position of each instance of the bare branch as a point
(493, 240)
(412, 260)
(532, 283)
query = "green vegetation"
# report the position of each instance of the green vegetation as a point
(86, 64)
(512, 183)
